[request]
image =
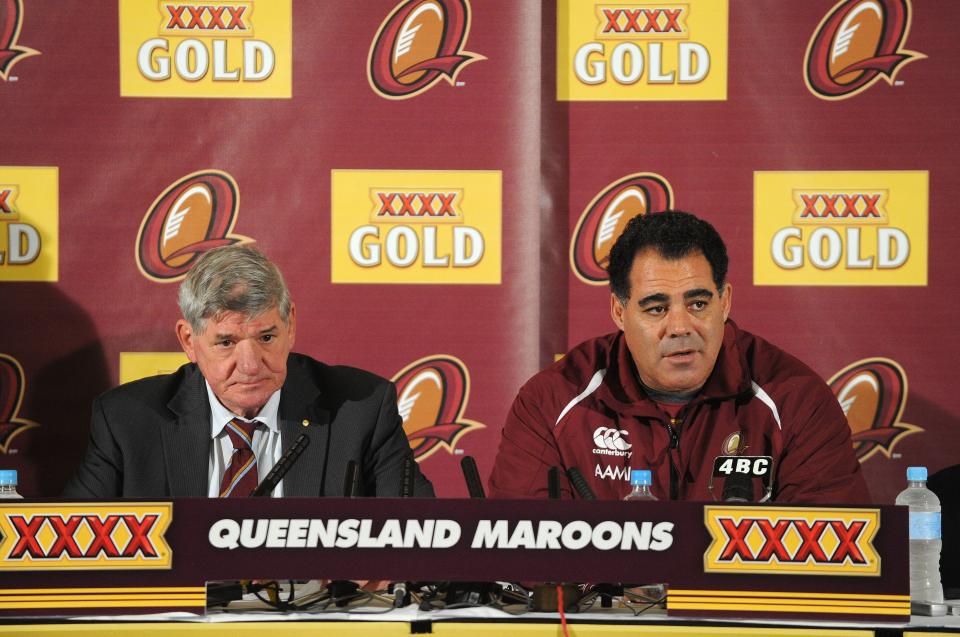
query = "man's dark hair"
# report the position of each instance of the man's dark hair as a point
(674, 235)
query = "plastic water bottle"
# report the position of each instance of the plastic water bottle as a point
(640, 481)
(925, 543)
(8, 485)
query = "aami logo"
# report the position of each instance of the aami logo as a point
(432, 396)
(59, 536)
(873, 394)
(193, 215)
(841, 228)
(417, 45)
(13, 384)
(217, 48)
(856, 44)
(438, 227)
(11, 20)
(655, 50)
(785, 541)
(605, 217)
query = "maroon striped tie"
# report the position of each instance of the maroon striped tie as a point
(240, 478)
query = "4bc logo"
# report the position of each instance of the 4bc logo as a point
(81, 536)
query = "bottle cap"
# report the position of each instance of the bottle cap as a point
(8, 476)
(917, 474)
(640, 477)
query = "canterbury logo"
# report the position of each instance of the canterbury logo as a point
(13, 384)
(84, 536)
(652, 21)
(432, 395)
(610, 438)
(857, 43)
(418, 204)
(11, 19)
(420, 43)
(195, 214)
(605, 217)
(206, 18)
(781, 541)
(873, 394)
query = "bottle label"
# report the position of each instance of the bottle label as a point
(925, 526)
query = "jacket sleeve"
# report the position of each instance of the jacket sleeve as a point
(528, 448)
(818, 464)
(100, 474)
(383, 462)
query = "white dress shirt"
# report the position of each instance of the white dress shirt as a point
(266, 442)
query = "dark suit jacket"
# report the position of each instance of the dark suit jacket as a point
(151, 438)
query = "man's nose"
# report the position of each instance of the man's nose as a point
(248, 357)
(678, 322)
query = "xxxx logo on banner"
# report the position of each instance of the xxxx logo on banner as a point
(85, 536)
(789, 541)
(605, 217)
(873, 393)
(13, 384)
(840, 228)
(210, 48)
(194, 214)
(432, 396)
(857, 43)
(29, 223)
(416, 226)
(420, 43)
(641, 50)
(11, 20)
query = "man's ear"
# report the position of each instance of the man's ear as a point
(726, 300)
(292, 323)
(187, 339)
(616, 310)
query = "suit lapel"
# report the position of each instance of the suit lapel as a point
(301, 413)
(186, 438)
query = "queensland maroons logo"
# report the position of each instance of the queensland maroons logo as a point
(604, 219)
(11, 19)
(194, 214)
(420, 43)
(12, 386)
(432, 395)
(873, 393)
(856, 44)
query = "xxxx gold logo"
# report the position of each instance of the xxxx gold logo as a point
(420, 43)
(790, 541)
(84, 536)
(11, 20)
(856, 44)
(873, 393)
(432, 396)
(194, 214)
(605, 217)
(13, 384)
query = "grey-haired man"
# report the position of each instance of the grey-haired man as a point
(177, 434)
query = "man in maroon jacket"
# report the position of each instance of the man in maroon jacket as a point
(677, 386)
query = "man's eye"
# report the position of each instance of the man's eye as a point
(698, 305)
(267, 338)
(656, 309)
(224, 343)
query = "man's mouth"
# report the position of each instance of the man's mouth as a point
(681, 353)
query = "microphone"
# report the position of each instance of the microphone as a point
(283, 465)
(351, 479)
(406, 478)
(553, 483)
(580, 484)
(472, 476)
(739, 473)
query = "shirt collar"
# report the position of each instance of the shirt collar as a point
(220, 415)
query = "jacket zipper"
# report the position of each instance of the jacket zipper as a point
(674, 426)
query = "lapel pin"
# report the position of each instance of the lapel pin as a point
(305, 423)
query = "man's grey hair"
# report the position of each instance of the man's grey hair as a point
(232, 279)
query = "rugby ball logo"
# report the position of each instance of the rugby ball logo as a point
(12, 386)
(11, 20)
(856, 44)
(604, 219)
(873, 393)
(194, 214)
(432, 395)
(420, 43)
